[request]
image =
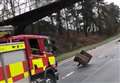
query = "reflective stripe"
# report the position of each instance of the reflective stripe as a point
(38, 62)
(26, 74)
(52, 60)
(16, 69)
(33, 72)
(44, 67)
(17, 72)
(18, 77)
(10, 80)
(3, 81)
(12, 47)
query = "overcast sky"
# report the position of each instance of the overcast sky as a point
(117, 2)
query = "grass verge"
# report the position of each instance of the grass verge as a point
(72, 53)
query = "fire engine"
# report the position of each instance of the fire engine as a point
(27, 59)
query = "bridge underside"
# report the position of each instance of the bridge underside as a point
(27, 18)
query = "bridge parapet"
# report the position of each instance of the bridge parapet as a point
(11, 8)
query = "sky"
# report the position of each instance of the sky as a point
(117, 2)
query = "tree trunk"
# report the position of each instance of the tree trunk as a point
(85, 29)
(59, 24)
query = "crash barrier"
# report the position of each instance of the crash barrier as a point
(82, 58)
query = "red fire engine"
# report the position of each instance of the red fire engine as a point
(26, 59)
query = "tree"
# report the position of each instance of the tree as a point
(111, 18)
(87, 13)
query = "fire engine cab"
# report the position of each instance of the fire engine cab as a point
(27, 59)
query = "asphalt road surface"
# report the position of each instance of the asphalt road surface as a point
(103, 68)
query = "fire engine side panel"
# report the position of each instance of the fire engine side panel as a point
(14, 63)
(15, 66)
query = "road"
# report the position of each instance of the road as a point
(103, 68)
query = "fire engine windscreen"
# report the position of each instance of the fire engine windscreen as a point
(34, 46)
(49, 46)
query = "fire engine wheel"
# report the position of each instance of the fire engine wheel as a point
(51, 79)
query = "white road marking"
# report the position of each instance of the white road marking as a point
(69, 74)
